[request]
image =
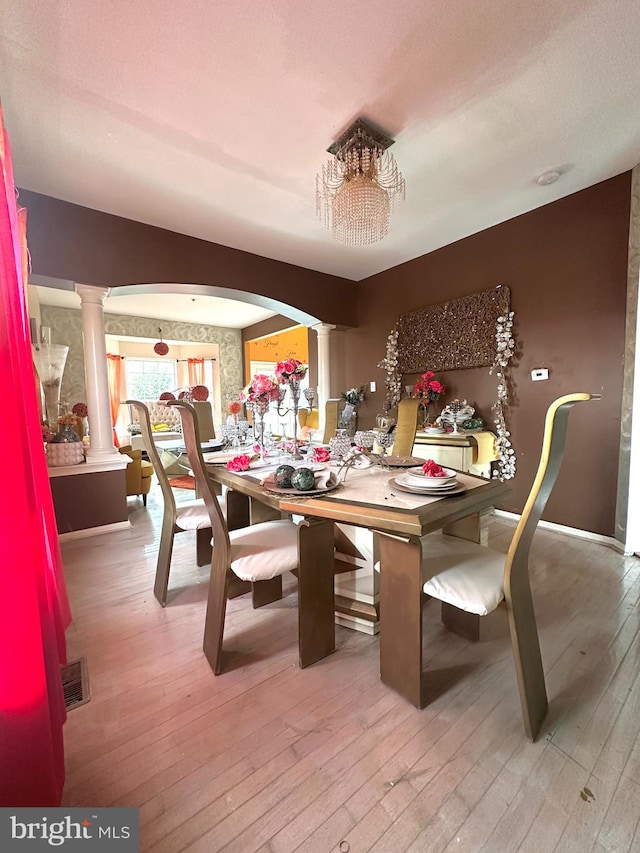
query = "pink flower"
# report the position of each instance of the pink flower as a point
(239, 463)
(436, 386)
(320, 454)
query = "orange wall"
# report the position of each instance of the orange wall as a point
(291, 343)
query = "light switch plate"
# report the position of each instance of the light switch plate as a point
(539, 374)
(372, 387)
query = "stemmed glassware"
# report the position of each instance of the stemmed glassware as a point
(385, 440)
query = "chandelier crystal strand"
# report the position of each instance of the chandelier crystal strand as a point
(358, 188)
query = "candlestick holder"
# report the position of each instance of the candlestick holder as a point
(293, 384)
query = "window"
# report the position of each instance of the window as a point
(147, 378)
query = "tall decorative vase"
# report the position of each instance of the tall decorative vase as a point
(49, 360)
(260, 409)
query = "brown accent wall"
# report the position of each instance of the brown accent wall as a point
(95, 499)
(566, 266)
(76, 243)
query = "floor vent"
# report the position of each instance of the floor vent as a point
(75, 683)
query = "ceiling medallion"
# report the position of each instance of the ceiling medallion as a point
(358, 186)
(160, 348)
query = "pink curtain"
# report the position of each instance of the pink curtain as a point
(114, 370)
(34, 610)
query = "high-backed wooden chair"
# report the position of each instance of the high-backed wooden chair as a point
(258, 553)
(191, 515)
(406, 426)
(204, 415)
(474, 581)
(330, 419)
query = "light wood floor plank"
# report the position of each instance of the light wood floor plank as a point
(268, 757)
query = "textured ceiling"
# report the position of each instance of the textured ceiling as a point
(212, 118)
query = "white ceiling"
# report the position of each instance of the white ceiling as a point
(203, 310)
(212, 118)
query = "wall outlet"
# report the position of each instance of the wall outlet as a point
(539, 374)
(372, 387)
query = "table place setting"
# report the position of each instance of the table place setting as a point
(303, 481)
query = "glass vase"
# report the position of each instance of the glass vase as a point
(49, 361)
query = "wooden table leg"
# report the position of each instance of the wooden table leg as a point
(316, 625)
(401, 616)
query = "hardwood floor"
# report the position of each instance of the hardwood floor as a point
(267, 757)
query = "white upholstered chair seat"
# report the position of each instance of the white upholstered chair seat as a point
(264, 551)
(463, 574)
(193, 515)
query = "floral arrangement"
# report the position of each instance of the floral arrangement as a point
(320, 454)
(234, 408)
(505, 345)
(167, 395)
(290, 370)
(68, 420)
(354, 396)
(428, 388)
(261, 386)
(389, 363)
(80, 410)
(240, 463)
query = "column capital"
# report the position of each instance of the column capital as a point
(89, 293)
(323, 328)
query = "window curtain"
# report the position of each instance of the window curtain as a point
(114, 370)
(34, 609)
(195, 371)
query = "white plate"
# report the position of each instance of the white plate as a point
(443, 493)
(420, 487)
(417, 474)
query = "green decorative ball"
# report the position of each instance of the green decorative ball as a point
(303, 479)
(282, 477)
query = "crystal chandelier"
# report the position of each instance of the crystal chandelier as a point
(358, 186)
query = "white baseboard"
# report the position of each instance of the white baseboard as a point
(94, 531)
(570, 531)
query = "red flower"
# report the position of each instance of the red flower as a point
(167, 395)
(432, 469)
(320, 454)
(234, 408)
(80, 409)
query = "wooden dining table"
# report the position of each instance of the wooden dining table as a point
(367, 498)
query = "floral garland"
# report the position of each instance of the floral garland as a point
(389, 363)
(504, 351)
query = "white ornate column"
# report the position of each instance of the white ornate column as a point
(324, 368)
(96, 374)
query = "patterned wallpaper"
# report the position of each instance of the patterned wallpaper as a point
(66, 328)
(633, 271)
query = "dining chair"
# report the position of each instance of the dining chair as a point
(406, 426)
(472, 580)
(331, 408)
(190, 515)
(258, 553)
